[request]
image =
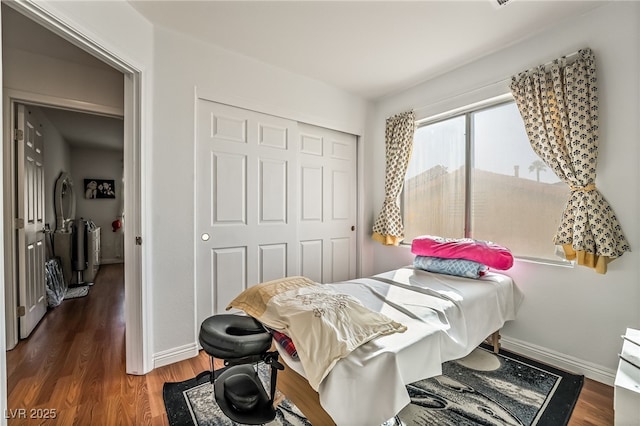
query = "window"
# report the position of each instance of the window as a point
(475, 175)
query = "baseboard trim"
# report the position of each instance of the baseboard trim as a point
(173, 355)
(559, 360)
(110, 261)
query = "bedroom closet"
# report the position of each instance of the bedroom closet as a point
(274, 198)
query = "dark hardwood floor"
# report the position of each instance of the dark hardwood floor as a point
(73, 367)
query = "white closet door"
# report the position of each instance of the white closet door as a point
(328, 203)
(246, 229)
(274, 198)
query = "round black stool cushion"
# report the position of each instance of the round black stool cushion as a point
(242, 392)
(231, 336)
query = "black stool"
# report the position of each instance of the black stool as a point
(240, 340)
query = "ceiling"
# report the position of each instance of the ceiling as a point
(368, 48)
(82, 130)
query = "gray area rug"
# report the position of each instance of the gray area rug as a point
(480, 389)
(205, 412)
(75, 292)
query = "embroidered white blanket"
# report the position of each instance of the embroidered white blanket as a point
(324, 325)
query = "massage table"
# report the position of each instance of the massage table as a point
(446, 318)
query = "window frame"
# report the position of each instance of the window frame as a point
(467, 111)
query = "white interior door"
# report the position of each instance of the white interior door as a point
(30, 222)
(245, 202)
(328, 203)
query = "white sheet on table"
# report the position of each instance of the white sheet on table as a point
(446, 318)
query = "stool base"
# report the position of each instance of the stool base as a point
(263, 412)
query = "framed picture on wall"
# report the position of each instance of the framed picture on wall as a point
(99, 188)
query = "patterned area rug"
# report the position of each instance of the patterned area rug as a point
(75, 292)
(191, 403)
(480, 389)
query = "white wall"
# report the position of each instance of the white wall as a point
(57, 159)
(100, 164)
(183, 65)
(45, 75)
(572, 314)
(115, 25)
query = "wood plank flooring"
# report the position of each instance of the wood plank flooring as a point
(73, 367)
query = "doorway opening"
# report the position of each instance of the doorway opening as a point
(137, 345)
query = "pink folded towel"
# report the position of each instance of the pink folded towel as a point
(485, 252)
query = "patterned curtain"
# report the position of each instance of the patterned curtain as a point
(388, 227)
(559, 106)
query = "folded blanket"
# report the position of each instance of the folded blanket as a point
(325, 326)
(458, 267)
(286, 343)
(485, 252)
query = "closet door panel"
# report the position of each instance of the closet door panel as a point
(340, 259)
(229, 277)
(273, 261)
(273, 191)
(245, 203)
(229, 189)
(328, 202)
(311, 260)
(311, 194)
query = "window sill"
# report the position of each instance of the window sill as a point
(549, 262)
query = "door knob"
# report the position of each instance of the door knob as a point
(205, 237)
